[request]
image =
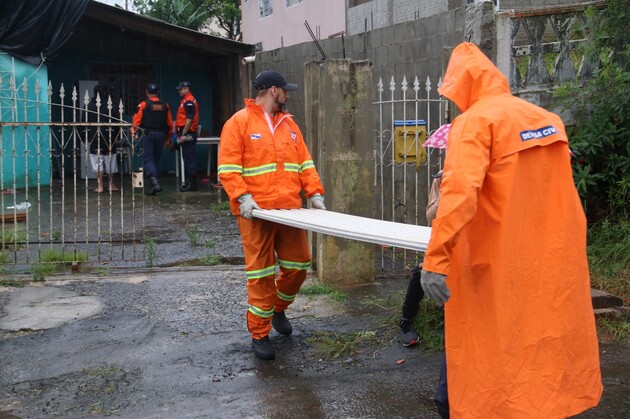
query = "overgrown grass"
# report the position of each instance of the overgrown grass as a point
(220, 206)
(12, 238)
(429, 323)
(321, 289)
(12, 283)
(53, 261)
(193, 235)
(211, 260)
(609, 257)
(151, 252)
(334, 345)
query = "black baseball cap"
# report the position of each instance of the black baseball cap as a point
(153, 88)
(268, 79)
(183, 84)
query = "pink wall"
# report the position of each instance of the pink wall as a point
(285, 26)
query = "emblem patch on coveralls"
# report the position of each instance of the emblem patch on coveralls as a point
(539, 133)
(255, 136)
(293, 136)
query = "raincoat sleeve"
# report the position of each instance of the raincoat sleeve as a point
(231, 159)
(137, 118)
(309, 178)
(467, 161)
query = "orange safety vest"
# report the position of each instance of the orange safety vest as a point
(180, 119)
(510, 234)
(266, 157)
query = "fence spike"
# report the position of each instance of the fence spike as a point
(428, 84)
(25, 86)
(416, 84)
(74, 96)
(404, 84)
(12, 85)
(86, 98)
(380, 85)
(98, 102)
(62, 92)
(50, 90)
(37, 88)
(440, 82)
(392, 85)
(109, 104)
(121, 108)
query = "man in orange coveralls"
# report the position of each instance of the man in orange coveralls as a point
(508, 257)
(264, 163)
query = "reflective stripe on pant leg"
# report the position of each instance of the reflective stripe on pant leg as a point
(257, 238)
(294, 259)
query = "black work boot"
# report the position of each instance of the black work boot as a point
(189, 185)
(280, 322)
(263, 348)
(155, 186)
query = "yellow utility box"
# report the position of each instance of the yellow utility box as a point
(409, 138)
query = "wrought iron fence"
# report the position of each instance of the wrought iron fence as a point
(406, 116)
(49, 146)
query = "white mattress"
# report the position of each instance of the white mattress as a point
(406, 236)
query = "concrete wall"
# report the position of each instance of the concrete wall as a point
(285, 26)
(339, 120)
(409, 48)
(378, 14)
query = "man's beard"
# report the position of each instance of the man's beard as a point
(280, 106)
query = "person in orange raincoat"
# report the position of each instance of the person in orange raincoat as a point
(507, 256)
(264, 163)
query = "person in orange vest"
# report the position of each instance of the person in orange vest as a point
(264, 163)
(186, 123)
(507, 257)
(154, 119)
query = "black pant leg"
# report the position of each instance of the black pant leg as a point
(411, 305)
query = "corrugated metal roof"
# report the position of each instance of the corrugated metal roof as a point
(406, 236)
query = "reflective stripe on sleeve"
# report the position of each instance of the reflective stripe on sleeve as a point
(261, 273)
(307, 164)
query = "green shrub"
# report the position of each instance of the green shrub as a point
(600, 135)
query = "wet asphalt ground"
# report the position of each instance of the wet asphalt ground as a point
(171, 341)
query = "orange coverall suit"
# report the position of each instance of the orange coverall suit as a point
(510, 235)
(266, 157)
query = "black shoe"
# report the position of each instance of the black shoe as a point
(263, 348)
(189, 185)
(155, 186)
(280, 322)
(408, 334)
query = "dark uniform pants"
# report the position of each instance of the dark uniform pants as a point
(152, 144)
(189, 156)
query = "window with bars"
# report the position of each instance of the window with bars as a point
(293, 2)
(266, 7)
(125, 81)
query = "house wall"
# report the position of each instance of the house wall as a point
(94, 42)
(25, 152)
(380, 13)
(285, 26)
(415, 48)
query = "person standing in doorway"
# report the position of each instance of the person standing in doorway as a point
(156, 125)
(507, 257)
(101, 139)
(264, 163)
(186, 123)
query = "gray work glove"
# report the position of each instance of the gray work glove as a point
(317, 202)
(434, 286)
(247, 205)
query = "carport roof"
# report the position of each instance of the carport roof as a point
(159, 29)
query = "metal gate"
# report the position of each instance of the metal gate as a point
(405, 117)
(50, 211)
